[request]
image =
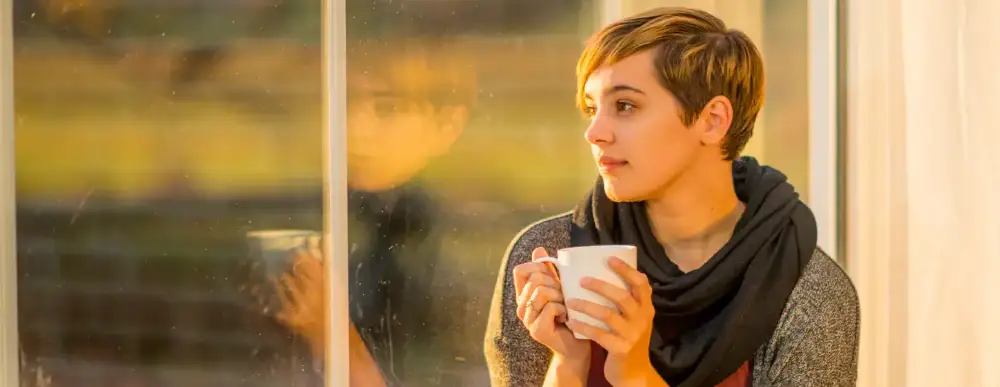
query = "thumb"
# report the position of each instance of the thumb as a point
(540, 252)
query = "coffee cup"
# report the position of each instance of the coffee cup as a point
(575, 263)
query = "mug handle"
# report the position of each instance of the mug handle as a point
(551, 263)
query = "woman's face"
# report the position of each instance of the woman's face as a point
(636, 134)
(395, 126)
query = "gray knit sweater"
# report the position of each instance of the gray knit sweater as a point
(814, 344)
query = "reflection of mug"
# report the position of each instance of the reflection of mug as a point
(271, 254)
(574, 263)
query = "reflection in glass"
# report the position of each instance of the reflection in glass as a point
(152, 137)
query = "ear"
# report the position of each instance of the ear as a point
(715, 119)
(451, 123)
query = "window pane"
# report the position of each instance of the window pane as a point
(462, 130)
(154, 138)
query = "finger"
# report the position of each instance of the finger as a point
(525, 297)
(536, 303)
(281, 292)
(624, 299)
(609, 341)
(523, 271)
(638, 283)
(610, 317)
(553, 313)
(539, 253)
(295, 292)
(307, 267)
(533, 280)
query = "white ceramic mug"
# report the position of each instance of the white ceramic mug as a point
(575, 263)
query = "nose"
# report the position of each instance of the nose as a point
(599, 132)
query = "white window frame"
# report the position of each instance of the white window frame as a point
(824, 179)
(9, 348)
(337, 366)
(825, 185)
(335, 200)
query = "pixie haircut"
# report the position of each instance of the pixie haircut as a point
(696, 58)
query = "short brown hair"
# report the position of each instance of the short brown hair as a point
(696, 58)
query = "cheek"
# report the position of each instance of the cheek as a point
(661, 148)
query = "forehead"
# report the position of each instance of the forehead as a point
(635, 71)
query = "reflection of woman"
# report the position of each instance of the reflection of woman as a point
(731, 288)
(409, 101)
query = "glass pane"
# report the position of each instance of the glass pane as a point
(162, 146)
(780, 30)
(455, 142)
(462, 130)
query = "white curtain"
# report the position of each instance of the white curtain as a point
(923, 175)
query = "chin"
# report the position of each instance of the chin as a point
(620, 191)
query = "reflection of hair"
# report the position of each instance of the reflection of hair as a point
(696, 58)
(441, 69)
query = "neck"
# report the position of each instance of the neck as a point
(696, 215)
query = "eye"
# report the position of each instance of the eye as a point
(589, 111)
(625, 107)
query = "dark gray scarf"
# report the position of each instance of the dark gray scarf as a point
(712, 320)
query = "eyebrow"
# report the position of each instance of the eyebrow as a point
(617, 88)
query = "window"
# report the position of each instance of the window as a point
(170, 174)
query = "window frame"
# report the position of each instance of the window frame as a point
(9, 338)
(826, 157)
(335, 243)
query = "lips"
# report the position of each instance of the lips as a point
(609, 164)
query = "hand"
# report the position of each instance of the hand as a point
(300, 293)
(540, 308)
(303, 310)
(627, 342)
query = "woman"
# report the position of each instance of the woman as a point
(731, 289)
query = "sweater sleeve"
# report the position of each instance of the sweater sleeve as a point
(816, 340)
(513, 357)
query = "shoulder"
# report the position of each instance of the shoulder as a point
(551, 233)
(512, 356)
(825, 291)
(816, 340)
